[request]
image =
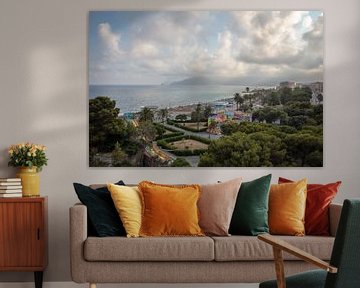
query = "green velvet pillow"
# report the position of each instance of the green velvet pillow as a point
(103, 219)
(250, 216)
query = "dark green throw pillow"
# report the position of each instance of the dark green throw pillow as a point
(250, 216)
(103, 218)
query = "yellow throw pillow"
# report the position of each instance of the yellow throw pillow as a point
(169, 210)
(127, 201)
(287, 204)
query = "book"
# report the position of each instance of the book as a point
(10, 188)
(10, 191)
(4, 195)
(10, 183)
(10, 180)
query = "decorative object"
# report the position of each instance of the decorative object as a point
(287, 204)
(206, 88)
(250, 215)
(318, 199)
(169, 210)
(103, 218)
(30, 181)
(127, 201)
(30, 158)
(216, 206)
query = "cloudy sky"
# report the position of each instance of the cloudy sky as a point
(223, 47)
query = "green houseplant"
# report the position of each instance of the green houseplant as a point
(30, 158)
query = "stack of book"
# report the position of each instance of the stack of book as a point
(10, 187)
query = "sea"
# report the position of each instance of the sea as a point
(133, 98)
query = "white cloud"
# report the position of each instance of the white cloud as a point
(254, 45)
(110, 40)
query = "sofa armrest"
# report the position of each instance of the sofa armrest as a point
(78, 235)
(334, 216)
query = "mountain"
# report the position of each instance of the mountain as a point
(197, 80)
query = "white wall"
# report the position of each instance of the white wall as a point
(43, 90)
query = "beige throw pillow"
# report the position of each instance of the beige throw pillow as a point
(216, 206)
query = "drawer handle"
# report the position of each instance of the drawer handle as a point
(38, 234)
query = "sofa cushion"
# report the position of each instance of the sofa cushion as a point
(169, 210)
(127, 201)
(250, 215)
(318, 199)
(287, 204)
(216, 205)
(149, 249)
(102, 216)
(244, 248)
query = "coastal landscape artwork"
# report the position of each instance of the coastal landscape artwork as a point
(205, 88)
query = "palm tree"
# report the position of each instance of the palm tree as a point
(238, 99)
(164, 113)
(146, 114)
(207, 111)
(197, 115)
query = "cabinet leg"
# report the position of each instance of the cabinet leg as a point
(38, 279)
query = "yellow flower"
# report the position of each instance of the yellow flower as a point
(11, 151)
(29, 154)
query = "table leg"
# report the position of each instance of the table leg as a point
(38, 279)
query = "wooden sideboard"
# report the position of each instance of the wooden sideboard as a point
(23, 235)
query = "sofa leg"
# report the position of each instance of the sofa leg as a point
(92, 285)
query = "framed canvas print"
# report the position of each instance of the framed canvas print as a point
(205, 88)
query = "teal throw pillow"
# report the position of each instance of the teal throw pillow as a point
(250, 216)
(103, 219)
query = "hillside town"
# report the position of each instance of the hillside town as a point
(183, 133)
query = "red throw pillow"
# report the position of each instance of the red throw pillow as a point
(319, 197)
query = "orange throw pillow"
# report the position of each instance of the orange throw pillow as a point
(287, 204)
(319, 197)
(169, 210)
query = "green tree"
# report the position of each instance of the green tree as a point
(160, 130)
(180, 162)
(285, 95)
(207, 112)
(146, 114)
(272, 99)
(146, 132)
(273, 150)
(304, 149)
(164, 113)
(118, 156)
(238, 100)
(181, 117)
(301, 95)
(237, 150)
(197, 115)
(105, 126)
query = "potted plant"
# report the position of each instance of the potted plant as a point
(30, 158)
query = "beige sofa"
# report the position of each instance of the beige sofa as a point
(234, 259)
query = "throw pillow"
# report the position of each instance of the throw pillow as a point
(250, 215)
(319, 197)
(216, 206)
(102, 214)
(287, 204)
(127, 201)
(169, 210)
